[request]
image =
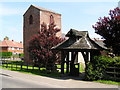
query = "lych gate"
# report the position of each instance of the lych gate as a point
(78, 41)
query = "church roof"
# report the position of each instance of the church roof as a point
(78, 40)
(41, 9)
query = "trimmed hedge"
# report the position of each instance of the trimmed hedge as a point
(5, 54)
(96, 70)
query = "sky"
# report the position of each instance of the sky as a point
(76, 15)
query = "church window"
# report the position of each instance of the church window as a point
(51, 19)
(31, 19)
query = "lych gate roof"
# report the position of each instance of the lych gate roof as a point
(75, 33)
(78, 40)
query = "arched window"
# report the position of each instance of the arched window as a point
(51, 19)
(31, 19)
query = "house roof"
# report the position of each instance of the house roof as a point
(78, 40)
(41, 9)
(100, 42)
(8, 43)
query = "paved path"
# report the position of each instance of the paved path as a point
(56, 83)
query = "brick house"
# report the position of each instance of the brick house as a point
(11, 46)
(33, 18)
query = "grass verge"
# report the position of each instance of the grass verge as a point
(56, 74)
(42, 72)
(107, 82)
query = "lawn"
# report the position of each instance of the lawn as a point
(42, 72)
(107, 82)
(34, 70)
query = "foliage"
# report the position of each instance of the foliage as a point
(21, 55)
(97, 69)
(6, 38)
(40, 46)
(109, 29)
(4, 54)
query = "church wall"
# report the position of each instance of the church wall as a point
(29, 30)
(45, 17)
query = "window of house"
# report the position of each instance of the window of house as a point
(31, 19)
(12, 48)
(51, 19)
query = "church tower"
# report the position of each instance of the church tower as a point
(33, 18)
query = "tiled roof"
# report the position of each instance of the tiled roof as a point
(8, 43)
(43, 9)
(78, 40)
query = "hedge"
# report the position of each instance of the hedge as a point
(96, 70)
(5, 54)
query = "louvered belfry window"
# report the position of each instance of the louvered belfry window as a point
(51, 19)
(31, 19)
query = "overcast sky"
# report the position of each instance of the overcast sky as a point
(77, 15)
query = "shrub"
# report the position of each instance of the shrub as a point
(96, 69)
(21, 55)
(5, 54)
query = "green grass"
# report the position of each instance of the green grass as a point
(36, 70)
(81, 69)
(107, 82)
(41, 72)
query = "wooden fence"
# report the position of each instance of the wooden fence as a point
(18, 65)
(113, 73)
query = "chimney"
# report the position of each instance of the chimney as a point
(12, 40)
(20, 41)
(6, 38)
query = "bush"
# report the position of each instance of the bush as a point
(21, 55)
(5, 54)
(96, 69)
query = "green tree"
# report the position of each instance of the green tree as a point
(6, 38)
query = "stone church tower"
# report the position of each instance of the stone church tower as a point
(33, 18)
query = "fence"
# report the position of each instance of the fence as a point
(113, 73)
(18, 65)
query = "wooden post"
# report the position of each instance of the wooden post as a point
(72, 63)
(67, 63)
(62, 62)
(114, 73)
(16, 66)
(33, 67)
(11, 65)
(7, 64)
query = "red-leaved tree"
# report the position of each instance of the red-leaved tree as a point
(40, 46)
(109, 29)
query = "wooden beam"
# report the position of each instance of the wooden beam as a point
(63, 55)
(67, 63)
